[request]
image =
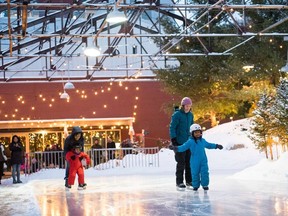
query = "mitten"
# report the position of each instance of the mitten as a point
(219, 146)
(73, 157)
(172, 147)
(174, 141)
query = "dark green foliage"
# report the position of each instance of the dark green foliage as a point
(218, 85)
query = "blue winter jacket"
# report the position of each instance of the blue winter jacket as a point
(180, 125)
(198, 160)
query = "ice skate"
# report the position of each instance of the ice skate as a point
(68, 187)
(189, 186)
(206, 188)
(181, 187)
(82, 186)
(66, 182)
(195, 189)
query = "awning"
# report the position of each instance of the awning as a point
(62, 123)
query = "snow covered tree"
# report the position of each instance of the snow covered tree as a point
(280, 111)
(261, 124)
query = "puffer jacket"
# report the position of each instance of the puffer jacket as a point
(198, 160)
(16, 151)
(70, 141)
(180, 125)
(76, 163)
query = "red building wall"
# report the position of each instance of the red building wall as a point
(142, 100)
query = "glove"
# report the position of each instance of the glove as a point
(174, 141)
(81, 158)
(219, 146)
(73, 157)
(172, 147)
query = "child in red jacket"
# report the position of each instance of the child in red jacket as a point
(75, 157)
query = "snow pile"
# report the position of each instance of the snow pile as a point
(266, 170)
(231, 134)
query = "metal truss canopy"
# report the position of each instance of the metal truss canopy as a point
(45, 41)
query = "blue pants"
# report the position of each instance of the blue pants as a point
(200, 174)
(16, 171)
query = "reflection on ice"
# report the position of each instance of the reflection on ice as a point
(144, 195)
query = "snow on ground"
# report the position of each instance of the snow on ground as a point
(250, 163)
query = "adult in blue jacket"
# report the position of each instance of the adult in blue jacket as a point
(181, 121)
(198, 160)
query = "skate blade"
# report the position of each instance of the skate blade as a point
(189, 188)
(81, 188)
(180, 189)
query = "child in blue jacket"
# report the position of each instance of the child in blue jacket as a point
(198, 159)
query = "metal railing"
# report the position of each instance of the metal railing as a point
(35, 161)
(124, 157)
(100, 159)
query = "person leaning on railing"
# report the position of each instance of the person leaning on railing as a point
(111, 145)
(97, 155)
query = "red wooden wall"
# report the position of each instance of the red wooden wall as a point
(142, 100)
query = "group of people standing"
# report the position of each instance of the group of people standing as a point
(98, 155)
(189, 148)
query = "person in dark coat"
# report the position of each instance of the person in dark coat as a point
(3, 158)
(97, 155)
(16, 149)
(181, 121)
(74, 139)
(111, 145)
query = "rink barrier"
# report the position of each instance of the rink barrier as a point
(124, 157)
(100, 159)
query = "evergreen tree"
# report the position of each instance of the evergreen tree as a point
(261, 124)
(280, 111)
(218, 85)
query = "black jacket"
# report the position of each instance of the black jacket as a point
(16, 151)
(70, 141)
(111, 145)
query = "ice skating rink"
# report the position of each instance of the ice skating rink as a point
(144, 195)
